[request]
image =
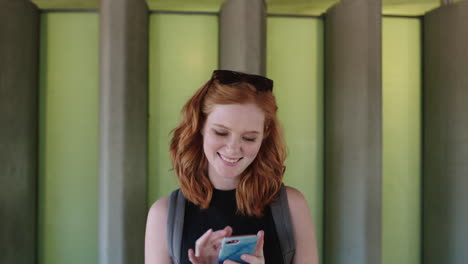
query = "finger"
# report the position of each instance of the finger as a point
(230, 262)
(251, 259)
(259, 248)
(202, 241)
(191, 256)
(218, 236)
(216, 244)
(228, 231)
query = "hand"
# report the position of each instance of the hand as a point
(207, 247)
(257, 257)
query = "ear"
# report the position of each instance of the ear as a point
(266, 132)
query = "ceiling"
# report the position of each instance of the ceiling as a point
(67, 4)
(284, 7)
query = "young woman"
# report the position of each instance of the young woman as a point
(228, 154)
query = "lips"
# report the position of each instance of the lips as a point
(228, 160)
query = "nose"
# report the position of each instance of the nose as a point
(234, 146)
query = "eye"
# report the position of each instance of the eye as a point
(250, 139)
(221, 134)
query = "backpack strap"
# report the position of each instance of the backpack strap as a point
(175, 224)
(283, 224)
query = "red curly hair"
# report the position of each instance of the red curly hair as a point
(261, 181)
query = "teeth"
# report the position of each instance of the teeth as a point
(229, 160)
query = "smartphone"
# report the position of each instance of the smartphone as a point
(232, 248)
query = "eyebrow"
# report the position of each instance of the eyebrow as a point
(222, 126)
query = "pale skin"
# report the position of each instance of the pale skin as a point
(232, 133)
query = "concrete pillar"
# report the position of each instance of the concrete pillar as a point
(353, 133)
(445, 152)
(123, 131)
(19, 46)
(242, 36)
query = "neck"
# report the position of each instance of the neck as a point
(223, 183)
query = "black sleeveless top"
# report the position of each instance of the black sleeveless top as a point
(222, 213)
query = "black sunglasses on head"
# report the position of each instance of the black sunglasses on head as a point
(227, 77)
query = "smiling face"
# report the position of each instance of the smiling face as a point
(232, 136)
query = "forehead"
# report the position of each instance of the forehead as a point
(239, 117)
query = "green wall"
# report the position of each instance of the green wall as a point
(402, 75)
(295, 63)
(68, 176)
(183, 54)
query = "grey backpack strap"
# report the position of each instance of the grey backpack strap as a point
(175, 224)
(283, 224)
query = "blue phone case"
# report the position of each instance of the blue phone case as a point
(232, 248)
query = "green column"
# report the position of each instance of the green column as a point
(353, 132)
(445, 227)
(19, 50)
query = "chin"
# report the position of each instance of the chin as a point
(230, 174)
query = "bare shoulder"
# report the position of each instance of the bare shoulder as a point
(304, 233)
(293, 191)
(295, 197)
(298, 206)
(157, 215)
(156, 250)
(159, 208)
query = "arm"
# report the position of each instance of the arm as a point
(304, 233)
(156, 250)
